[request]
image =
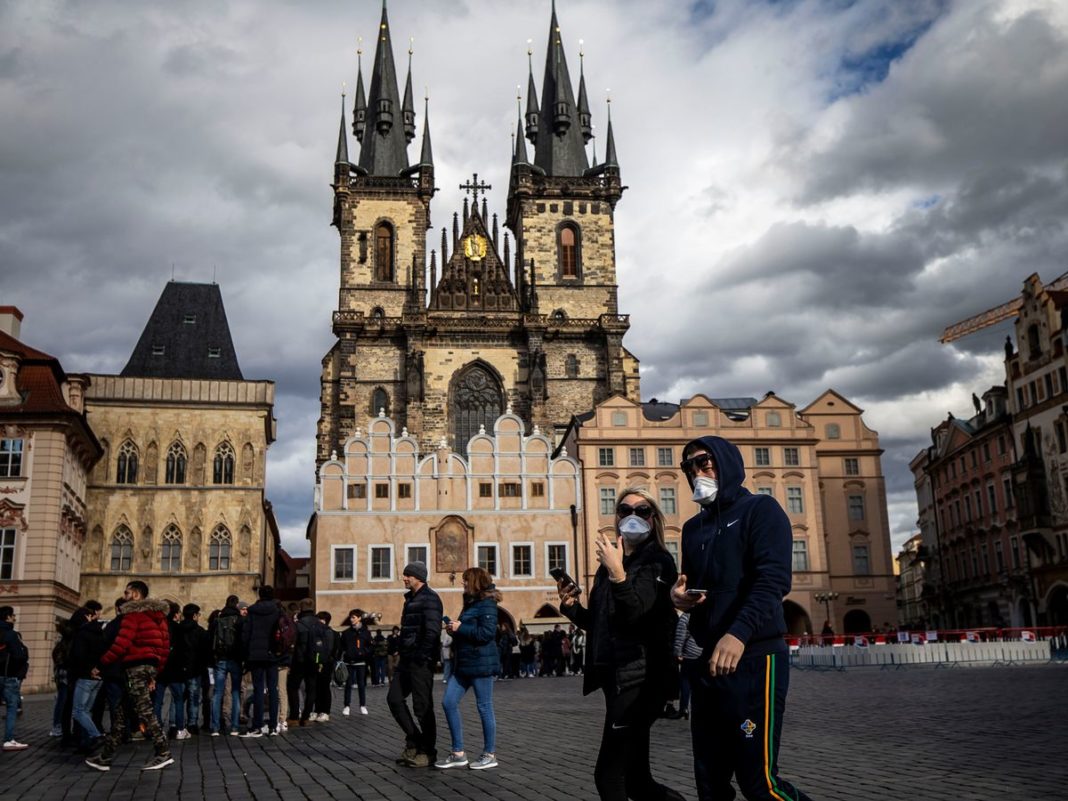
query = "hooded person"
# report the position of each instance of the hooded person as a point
(736, 570)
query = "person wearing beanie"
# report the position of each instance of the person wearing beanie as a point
(420, 639)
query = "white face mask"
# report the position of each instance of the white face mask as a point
(634, 529)
(705, 490)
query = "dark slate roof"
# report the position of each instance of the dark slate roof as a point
(565, 154)
(384, 154)
(734, 403)
(188, 325)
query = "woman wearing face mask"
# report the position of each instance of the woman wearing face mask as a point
(630, 624)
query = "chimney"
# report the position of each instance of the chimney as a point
(11, 321)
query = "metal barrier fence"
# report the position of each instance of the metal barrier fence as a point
(935, 654)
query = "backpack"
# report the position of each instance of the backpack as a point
(13, 657)
(319, 646)
(284, 637)
(224, 645)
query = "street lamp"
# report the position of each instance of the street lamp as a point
(825, 598)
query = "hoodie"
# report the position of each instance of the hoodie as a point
(737, 549)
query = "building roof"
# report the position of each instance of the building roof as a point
(383, 143)
(187, 336)
(560, 149)
(40, 379)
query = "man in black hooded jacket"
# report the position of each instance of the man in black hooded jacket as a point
(736, 553)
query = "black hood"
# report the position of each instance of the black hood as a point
(729, 466)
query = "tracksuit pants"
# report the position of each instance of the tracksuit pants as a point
(736, 722)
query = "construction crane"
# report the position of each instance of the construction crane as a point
(1006, 311)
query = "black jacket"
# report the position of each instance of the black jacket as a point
(257, 633)
(420, 636)
(356, 647)
(739, 550)
(86, 649)
(14, 656)
(630, 625)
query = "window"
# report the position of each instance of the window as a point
(509, 489)
(487, 558)
(800, 555)
(1014, 547)
(986, 451)
(978, 503)
(379, 402)
(673, 549)
(1033, 342)
(999, 557)
(404, 490)
(975, 459)
(214, 353)
(122, 549)
(967, 509)
(619, 418)
(606, 457)
(834, 431)
(986, 558)
(381, 562)
(381, 490)
(556, 556)
(774, 420)
(537, 489)
(637, 457)
(992, 499)
(522, 561)
(357, 492)
(795, 505)
(667, 500)
(383, 252)
(763, 457)
(219, 549)
(700, 419)
(791, 457)
(569, 251)
(159, 350)
(1049, 384)
(476, 401)
(608, 500)
(765, 491)
(856, 507)
(170, 560)
(975, 562)
(417, 553)
(344, 564)
(861, 562)
(189, 319)
(10, 458)
(7, 553)
(1007, 486)
(665, 457)
(126, 467)
(485, 489)
(852, 466)
(571, 366)
(223, 467)
(174, 472)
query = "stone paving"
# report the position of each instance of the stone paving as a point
(968, 733)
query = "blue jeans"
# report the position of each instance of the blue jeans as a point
(264, 674)
(226, 668)
(454, 691)
(85, 691)
(192, 701)
(446, 670)
(61, 699)
(378, 675)
(11, 698)
(177, 716)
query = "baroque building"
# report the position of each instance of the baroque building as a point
(46, 452)
(821, 463)
(178, 499)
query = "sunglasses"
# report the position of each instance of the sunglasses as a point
(698, 462)
(644, 511)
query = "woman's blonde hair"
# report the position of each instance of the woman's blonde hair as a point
(656, 522)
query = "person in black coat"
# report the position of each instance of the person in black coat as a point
(630, 624)
(257, 635)
(356, 652)
(87, 646)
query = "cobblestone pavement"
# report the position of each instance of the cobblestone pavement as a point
(969, 733)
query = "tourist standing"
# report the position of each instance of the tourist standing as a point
(226, 650)
(260, 635)
(14, 664)
(356, 650)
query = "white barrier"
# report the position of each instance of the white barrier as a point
(937, 654)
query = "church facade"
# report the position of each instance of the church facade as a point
(471, 345)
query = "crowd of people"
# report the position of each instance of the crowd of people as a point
(724, 658)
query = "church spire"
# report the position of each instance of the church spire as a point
(384, 148)
(409, 102)
(532, 98)
(426, 157)
(610, 142)
(359, 109)
(342, 156)
(559, 148)
(583, 102)
(519, 156)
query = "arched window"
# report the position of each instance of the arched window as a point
(379, 402)
(377, 313)
(383, 252)
(223, 470)
(219, 549)
(171, 554)
(571, 366)
(834, 431)
(176, 461)
(1033, 344)
(475, 400)
(122, 549)
(126, 469)
(569, 252)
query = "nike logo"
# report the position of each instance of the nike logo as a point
(732, 523)
(617, 726)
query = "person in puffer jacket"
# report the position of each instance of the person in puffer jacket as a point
(476, 663)
(629, 625)
(141, 646)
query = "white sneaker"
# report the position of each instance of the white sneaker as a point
(266, 729)
(283, 726)
(323, 717)
(183, 734)
(345, 711)
(15, 745)
(363, 710)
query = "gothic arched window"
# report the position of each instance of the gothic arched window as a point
(126, 468)
(176, 461)
(122, 549)
(571, 366)
(223, 469)
(475, 400)
(569, 252)
(170, 560)
(219, 549)
(384, 252)
(379, 402)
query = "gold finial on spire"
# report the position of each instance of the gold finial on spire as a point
(359, 46)
(411, 45)
(344, 87)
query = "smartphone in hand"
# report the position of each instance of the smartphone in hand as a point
(561, 575)
(695, 593)
(446, 620)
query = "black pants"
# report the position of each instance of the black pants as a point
(324, 693)
(416, 680)
(303, 675)
(622, 769)
(736, 722)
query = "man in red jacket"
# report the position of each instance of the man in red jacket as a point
(141, 646)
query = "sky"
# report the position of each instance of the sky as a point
(816, 188)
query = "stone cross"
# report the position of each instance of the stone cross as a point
(475, 186)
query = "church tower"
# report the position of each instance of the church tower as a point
(527, 322)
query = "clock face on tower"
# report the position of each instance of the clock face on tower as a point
(475, 247)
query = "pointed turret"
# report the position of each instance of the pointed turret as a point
(532, 100)
(583, 103)
(384, 148)
(520, 154)
(559, 148)
(426, 156)
(409, 103)
(342, 156)
(610, 143)
(359, 108)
